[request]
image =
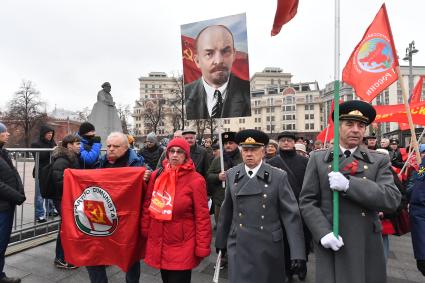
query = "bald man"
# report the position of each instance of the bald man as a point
(218, 93)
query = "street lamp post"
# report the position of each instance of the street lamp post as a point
(409, 54)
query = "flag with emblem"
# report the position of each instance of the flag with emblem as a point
(372, 65)
(101, 216)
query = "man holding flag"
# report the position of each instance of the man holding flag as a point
(366, 187)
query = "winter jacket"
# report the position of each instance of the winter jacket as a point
(417, 212)
(62, 159)
(200, 157)
(89, 153)
(151, 155)
(130, 158)
(11, 188)
(179, 244)
(44, 157)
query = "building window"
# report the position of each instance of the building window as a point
(268, 128)
(257, 120)
(311, 116)
(311, 126)
(258, 128)
(242, 120)
(270, 117)
(306, 116)
(307, 126)
(257, 102)
(257, 111)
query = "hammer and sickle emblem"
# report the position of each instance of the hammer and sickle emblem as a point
(188, 54)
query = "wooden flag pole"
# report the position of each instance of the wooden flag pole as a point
(414, 141)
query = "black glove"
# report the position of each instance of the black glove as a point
(299, 266)
(21, 200)
(96, 139)
(223, 251)
(421, 266)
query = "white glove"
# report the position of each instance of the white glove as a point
(338, 182)
(330, 241)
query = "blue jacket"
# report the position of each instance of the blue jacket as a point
(417, 214)
(89, 154)
(134, 160)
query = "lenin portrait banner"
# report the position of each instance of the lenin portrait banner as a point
(216, 68)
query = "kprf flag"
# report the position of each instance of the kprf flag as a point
(285, 11)
(397, 113)
(101, 212)
(372, 65)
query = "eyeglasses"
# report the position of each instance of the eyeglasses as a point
(178, 151)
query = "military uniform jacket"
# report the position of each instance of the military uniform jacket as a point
(371, 189)
(253, 215)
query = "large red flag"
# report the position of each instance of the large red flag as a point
(101, 211)
(240, 67)
(286, 10)
(372, 65)
(397, 113)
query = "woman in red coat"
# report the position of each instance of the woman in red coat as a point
(176, 218)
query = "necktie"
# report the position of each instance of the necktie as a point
(250, 173)
(216, 111)
(347, 153)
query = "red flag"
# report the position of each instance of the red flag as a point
(286, 10)
(330, 128)
(372, 65)
(240, 67)
(417, 91)
(397, 113)
(101, 216)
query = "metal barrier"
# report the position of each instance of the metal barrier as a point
(25, 226)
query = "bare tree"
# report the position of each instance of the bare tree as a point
(24, 110)
(153, 114)
(123, 113)
(178, 102)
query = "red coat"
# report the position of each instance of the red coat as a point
(179, 244)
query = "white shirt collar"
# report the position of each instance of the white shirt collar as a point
(352, 150)
(211, 100)
(254, 170)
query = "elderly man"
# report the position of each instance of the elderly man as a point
(118, 154)
(385, 143)
(371, 141)
(11, 194)
(218, 93)
(258, 206)
(198, 154)
(366, 186)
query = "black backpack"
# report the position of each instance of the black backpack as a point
(45, 179)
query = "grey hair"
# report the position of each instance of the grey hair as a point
(120, 135)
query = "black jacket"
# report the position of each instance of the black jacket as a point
(151, 155)
(62, 159)
(294, 165)
(11, 188)
(43, 143)
(200, 158)
(237, 102)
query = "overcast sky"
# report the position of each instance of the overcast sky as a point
(68, 48)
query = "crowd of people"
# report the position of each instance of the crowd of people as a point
(272, 201)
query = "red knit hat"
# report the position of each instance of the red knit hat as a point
(179, 142)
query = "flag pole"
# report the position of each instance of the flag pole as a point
(335, 224)
(413, 141)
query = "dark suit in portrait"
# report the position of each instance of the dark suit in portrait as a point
(236, 103)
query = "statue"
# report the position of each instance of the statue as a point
(104, 115)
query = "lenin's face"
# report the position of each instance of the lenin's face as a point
(215, 55)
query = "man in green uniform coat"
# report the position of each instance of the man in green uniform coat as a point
(366, 186)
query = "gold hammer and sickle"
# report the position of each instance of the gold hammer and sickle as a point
(188, 54)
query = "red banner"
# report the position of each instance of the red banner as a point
(397, 113)
(240, 67)
(285, 11)
(372, 65)
(101, 216)
(415, 98)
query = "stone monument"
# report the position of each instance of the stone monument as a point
(104, 115)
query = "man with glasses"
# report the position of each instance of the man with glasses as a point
(118, 154)
(258, 206)
(294, 165)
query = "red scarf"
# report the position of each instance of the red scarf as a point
(162, 202)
